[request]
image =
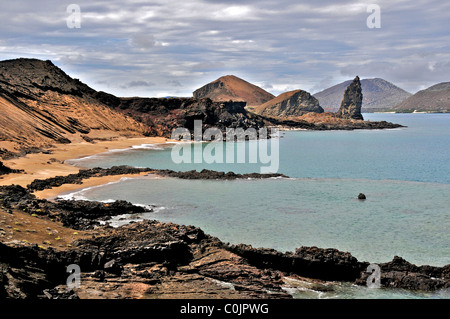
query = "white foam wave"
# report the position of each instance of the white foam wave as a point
(79, 194)
(157, 147)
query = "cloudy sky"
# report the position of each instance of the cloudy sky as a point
(172, 47)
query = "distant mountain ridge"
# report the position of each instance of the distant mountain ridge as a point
(231, 87)
(378, 95)
(436, 98)
(288, 104)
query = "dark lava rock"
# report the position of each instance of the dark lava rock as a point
(182, 252)
(312, 262)
(361, 196)
(209, 174)
(113, 267)
(6, 170)
(352, 101)
(399, 273)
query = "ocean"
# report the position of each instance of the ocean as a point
(404, 173)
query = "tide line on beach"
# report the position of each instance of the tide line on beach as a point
(53, 163)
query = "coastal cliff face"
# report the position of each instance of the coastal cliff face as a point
(41, 105)
(352, 101)
(290, 104)
(230, 87)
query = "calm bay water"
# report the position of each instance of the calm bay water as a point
(405, 174)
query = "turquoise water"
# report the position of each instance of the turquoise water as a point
(419, 152)
(405, 174)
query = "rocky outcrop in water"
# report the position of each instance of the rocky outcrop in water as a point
(311, 262)
(352, 101)
(209, 174)
(399, 273)
(41, 184)
(77, 178)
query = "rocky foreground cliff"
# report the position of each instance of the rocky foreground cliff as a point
(149, 259)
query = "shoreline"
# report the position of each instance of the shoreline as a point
(53, 193)
(52, 163)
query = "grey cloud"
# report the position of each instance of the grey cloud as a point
(282, 44)
(143, 41)
(174, 83)
(134, 84)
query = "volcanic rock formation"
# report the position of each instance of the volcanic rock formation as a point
(379, 95)
(352, 101)
(293, 103)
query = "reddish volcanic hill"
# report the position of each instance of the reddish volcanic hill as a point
(233, 88)
(40, 105)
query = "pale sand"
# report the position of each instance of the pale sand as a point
(42, 166)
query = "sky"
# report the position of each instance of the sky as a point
(172, 47)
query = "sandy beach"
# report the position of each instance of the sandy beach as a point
(42, 166)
